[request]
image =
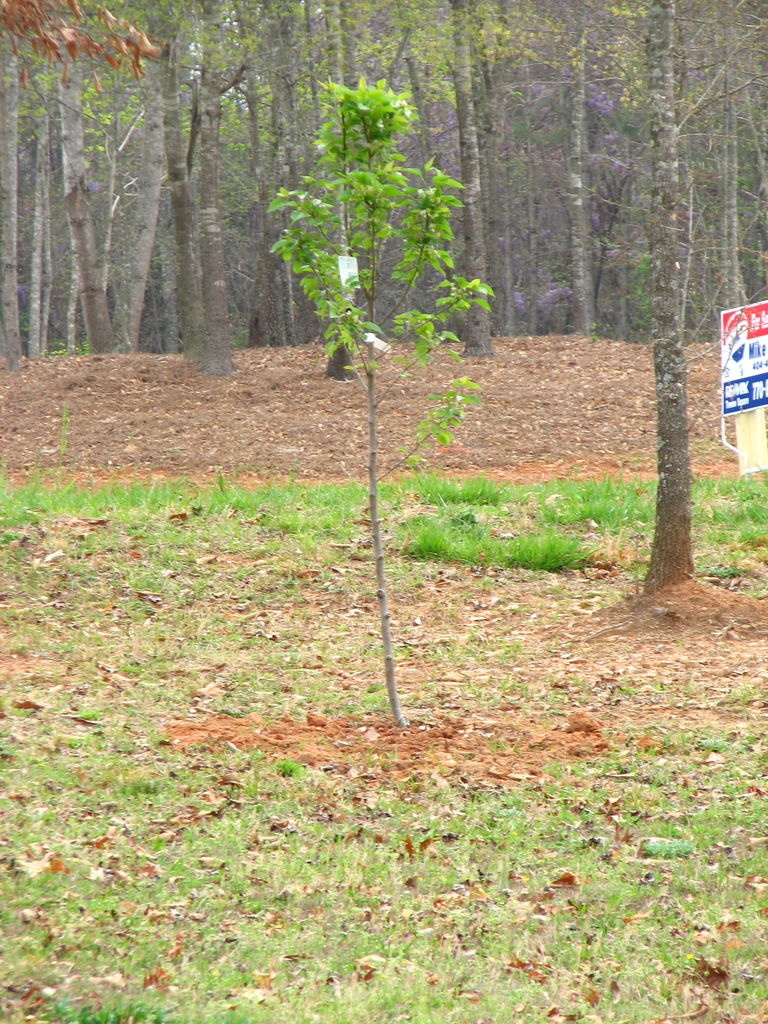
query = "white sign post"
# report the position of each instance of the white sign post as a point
(744, 369)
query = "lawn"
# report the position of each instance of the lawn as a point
(575, 828)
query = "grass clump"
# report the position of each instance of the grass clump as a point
(611, 504)
(440, 490)
(461, 538)
(130, 1013)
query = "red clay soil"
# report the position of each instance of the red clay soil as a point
(498, 749)
(686, 610)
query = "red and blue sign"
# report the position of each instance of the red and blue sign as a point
(744, 358)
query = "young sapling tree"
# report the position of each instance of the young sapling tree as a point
(361, 234)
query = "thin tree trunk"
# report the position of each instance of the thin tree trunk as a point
(39, 267)
(9, 208)
(489, 100)
(477, 323)
(732, 279)
(429, 149)
(313, 57)
(164, 285)
(583, 289)
(671, 553)
(72, 304)
(93, 298)
(532, 214)
(685, 277)
(378, 550)
(760, 144)
(349, 29)
(279, 321)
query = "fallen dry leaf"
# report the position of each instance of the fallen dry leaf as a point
(159, 978)
(566, 880)
(714, 975)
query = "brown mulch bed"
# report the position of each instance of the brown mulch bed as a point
(551, 406)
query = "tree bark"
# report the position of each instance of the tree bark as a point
(216, 359)
(671, 554)
(278, 317)
(583, 289)
(189, 291)
(93, 297)
(490, 101)
(477, 322)
(378, 550)
(731, 268)
(9, 206)
(131, 280)
(39, 264)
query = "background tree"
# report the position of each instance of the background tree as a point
(140, 198)
(477, 325)
(86, 265)
(9, 209)
(216, 78)
(178, 156)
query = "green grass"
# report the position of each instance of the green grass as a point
(143, 883)
(460, 538)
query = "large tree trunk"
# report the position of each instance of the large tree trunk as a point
(189, 292)
(9, 208)
(671, 554)
(93, 297)
(131, 280)
(477, 322)
(216, 358)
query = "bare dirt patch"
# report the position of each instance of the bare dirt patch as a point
(552, 406)
(499, 748)
(679, 611)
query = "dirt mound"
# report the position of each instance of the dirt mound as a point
(495, 750)
(686, 608)
(551, 406)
